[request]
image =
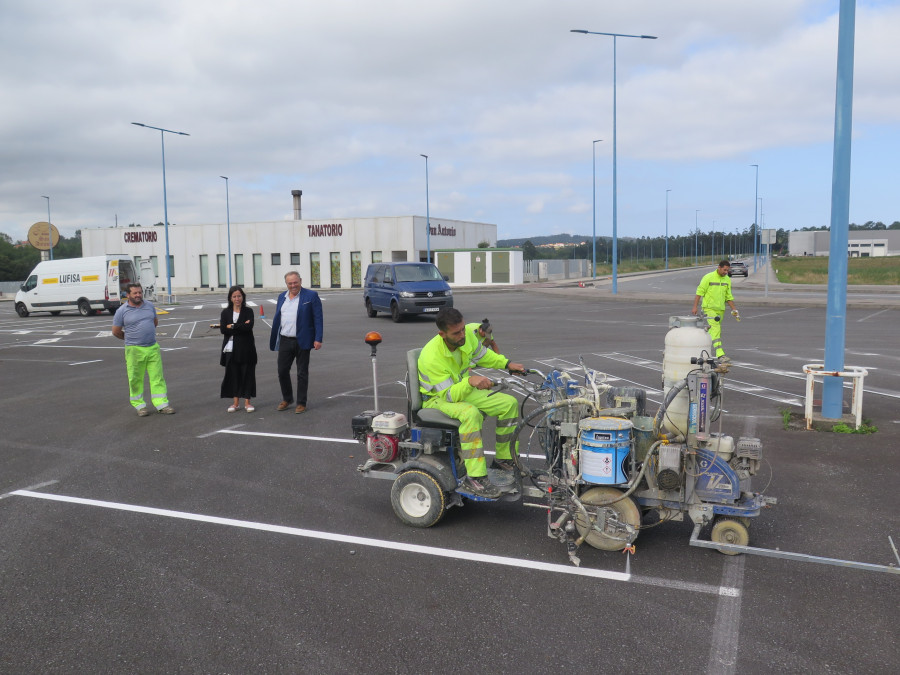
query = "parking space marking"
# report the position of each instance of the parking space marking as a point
(556, 568)
(727, 623)
(81, 363)
(271, 435)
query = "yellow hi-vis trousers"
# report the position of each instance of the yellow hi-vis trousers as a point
(715, 330)
(141, 360)
(469, 413)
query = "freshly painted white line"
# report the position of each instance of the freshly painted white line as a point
(31, 487)
(71, 346)
(727, 623)
(389, 545)
(46, 340)
(81, 363)
(783, 311)
(63, 332)
(198, 306)
(304, 438)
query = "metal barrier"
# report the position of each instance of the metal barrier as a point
(814, 370)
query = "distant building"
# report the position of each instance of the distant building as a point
(860, 243)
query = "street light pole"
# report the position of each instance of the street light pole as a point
(427, 213)
(755, 212)
(228, 221)
(667, 228)
(49, 226)
(594, 212)
(696, 230)
(162, 137)
(615, 242)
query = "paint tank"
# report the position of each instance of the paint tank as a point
(686, 339)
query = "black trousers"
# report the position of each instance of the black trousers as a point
(288, 351)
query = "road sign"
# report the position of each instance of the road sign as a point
(39, 236)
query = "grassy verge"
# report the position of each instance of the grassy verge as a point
(861, 271)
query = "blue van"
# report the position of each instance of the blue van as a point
(405, 288)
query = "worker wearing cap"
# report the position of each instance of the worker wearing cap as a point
(447, 384)
(484, 334)
(715, 289)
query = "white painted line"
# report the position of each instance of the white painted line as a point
(303, 438)
(865, 318)
(70, 346)
(81, 363)
(198, 306)
(727, 624)
(104, 333)
(31, 487)
(64, 332)
(47, 340)
(388, 545)
(22, 332)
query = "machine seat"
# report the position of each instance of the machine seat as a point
(426, 417)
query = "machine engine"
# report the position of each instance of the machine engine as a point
(383, 435)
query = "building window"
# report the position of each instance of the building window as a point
(295, 259)
(257, 270)
(315, 273)
(276, 258)
(172, 265)
(154, 263)
(398, 256)
(239, 269)
(335, 270)
(221, 264)
(376, 256)
(204, 270)
(355, 269)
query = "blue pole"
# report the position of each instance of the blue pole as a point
(667, 228)
(696, 242)
(755, 205)
(49, 226)
(427, 213)
(615, 242)
(594, 212)
(228, 221)
(836, 318)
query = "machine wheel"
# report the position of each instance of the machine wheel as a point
(55, 313)
(21, 310)
(396, 316)
(625, 509)
(418, 499)
(729, 531)
(84, 308)
(371, 312)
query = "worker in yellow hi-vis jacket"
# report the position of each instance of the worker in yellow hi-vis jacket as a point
(447, 385)
(715, 289)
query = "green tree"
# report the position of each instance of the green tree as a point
(529, 250)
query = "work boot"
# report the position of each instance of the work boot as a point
(724, 359)
(505, 465)
(168, 410)
(143, 412)
(481, 486)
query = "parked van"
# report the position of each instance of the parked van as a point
(86, 284)
(404, 289)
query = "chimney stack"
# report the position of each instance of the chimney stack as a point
(297, 210)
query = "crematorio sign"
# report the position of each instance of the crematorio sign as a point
(140, 237)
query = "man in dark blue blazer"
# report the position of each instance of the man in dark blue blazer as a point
(296, 329)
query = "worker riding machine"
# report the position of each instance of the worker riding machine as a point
(588, 454)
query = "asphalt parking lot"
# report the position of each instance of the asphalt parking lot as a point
(227, 543)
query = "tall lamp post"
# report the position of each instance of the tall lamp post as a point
(755, 212)
(667, 228)
(49, 226)
(162, 137)
(594, 186)
(696, 231)
(427, 212)
(615, 242)
(228, 221)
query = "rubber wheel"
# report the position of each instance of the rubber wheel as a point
(84, 308)
(418, 499)
(371, 312)
(626, 510)
(55, 313)
(729, 531)
(21, 310)
(396, 316)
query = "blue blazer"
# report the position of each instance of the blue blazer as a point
(309, 320)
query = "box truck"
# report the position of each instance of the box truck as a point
(86, 284)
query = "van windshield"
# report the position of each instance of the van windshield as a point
(424, 272)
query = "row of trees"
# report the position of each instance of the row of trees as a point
(17, 261)
(712, 245)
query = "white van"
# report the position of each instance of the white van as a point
(86, 284)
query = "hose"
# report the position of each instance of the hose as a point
(670, 396)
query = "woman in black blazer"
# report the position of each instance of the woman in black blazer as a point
(238, 350)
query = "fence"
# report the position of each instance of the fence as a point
(554, 270)
(8, 289)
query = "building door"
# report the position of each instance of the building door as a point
(445, 264)
(500, 267)
(478, 266)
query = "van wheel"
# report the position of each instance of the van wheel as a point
(396, 316)
(21, 310)
(371, 312)
(84, 308)
(56, 313)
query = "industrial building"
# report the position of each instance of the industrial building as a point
(860, 243)
(328, 253)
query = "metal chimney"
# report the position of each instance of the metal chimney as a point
(297, 210)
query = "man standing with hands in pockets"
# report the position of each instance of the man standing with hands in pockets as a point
(296, 330)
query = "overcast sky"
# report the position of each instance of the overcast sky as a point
(340, 99)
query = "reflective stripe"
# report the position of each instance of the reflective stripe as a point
(511, 422)
(441, 386)
(471, 437)
(479, 353)
(423, 376)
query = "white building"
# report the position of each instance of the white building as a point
(328, 253)
(860, 243)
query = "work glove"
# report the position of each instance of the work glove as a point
(736, 315)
